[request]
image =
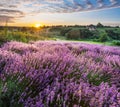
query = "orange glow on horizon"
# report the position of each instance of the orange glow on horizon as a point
(38, 25)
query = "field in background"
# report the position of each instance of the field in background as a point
(98, 34)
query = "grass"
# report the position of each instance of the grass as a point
(86, 41)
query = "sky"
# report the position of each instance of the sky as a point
(59, 12)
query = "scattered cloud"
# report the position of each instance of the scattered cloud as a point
(4, 18)
(11, 9)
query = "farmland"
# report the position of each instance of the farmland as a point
(59, 74)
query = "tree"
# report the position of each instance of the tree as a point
(100, 25)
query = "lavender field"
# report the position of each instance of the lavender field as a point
(59, 74)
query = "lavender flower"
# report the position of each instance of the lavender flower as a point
(59, 74)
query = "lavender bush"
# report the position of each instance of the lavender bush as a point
(59, 74)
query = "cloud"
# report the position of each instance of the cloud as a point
(114, 2)
(20, 8)
(10, 15)
(58, 5)
(4, 18)
(9, 11)
(100, 3)
(67, 6)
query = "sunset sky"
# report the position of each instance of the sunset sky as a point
(59, 12)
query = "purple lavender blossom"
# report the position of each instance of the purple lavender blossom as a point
(59, 74)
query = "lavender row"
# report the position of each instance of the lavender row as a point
(59, 74)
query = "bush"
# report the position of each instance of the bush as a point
(64, 31)
(85, 34)
(79, 34)
(113, 35)
(73, 34)
(19, 36)
(55, 29)
(116, 42)
(94, 35)
(3, 38)
(23, 37)
(103, 37)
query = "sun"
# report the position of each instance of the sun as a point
(38, 25)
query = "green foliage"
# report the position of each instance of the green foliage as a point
(65, 31)
(97, 79)
(103, 37)
(94, 35)
(12, 88)
(73, 34)
(19, 36)
(116, 42)
(10, 91)
(79, 34)
(3, 38)
(85, 34)
(55, 29)
(23, 34)
(113, 34)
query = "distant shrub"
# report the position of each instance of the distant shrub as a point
(113, 34)
(103, 37)
(95, 40)
(116, 42)
(64, 31)
(52, 29)
(73, 34)
(20, 36)
(80, 34)
(94, 35)
(85, 34)
(3, 38)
